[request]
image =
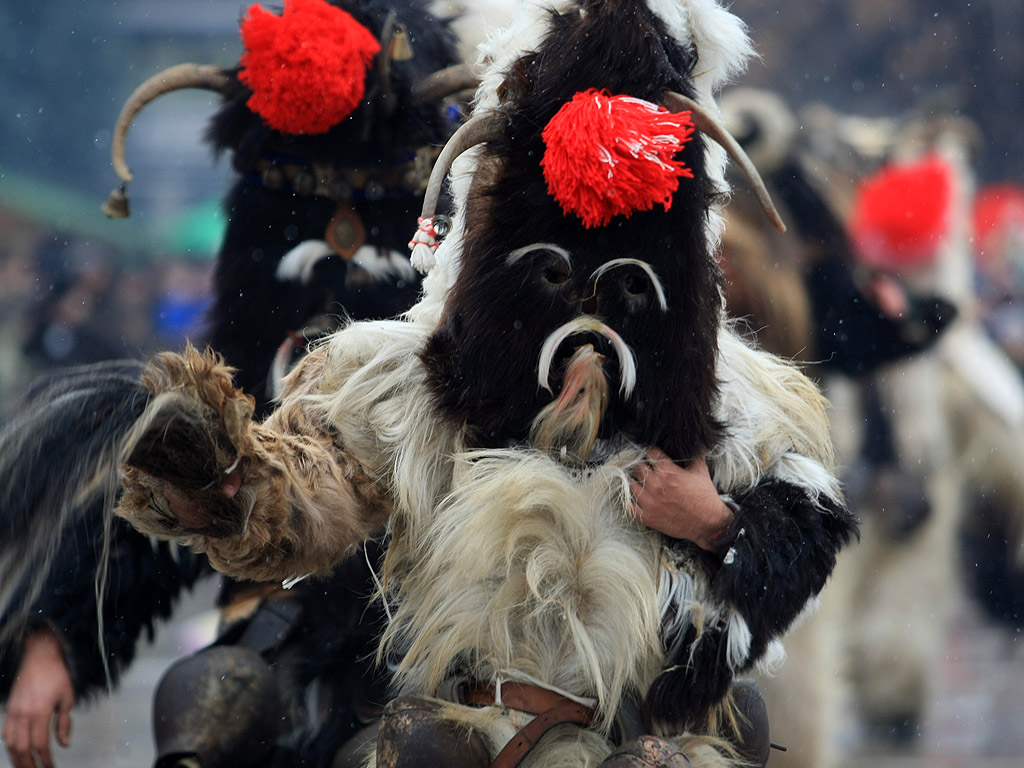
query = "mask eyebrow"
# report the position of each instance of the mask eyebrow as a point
(518, 253)
(647, 268)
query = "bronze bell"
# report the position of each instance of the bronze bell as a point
(401, 49)
(116, 206)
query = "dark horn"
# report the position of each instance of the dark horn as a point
(388, 100)
(708, 125)
(445, 82)
(478, 129)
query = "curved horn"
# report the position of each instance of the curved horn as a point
(708, 125)
(445, 82)
(477, 130)
(175, 78)
(387, 36)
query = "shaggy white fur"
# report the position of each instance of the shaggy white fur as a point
(506, 564)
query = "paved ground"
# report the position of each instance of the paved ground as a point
(976, 721)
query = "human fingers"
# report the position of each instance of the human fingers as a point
(64, 723)
(16, 740)
(39, 740)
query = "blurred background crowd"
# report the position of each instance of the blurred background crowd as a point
(918, 638)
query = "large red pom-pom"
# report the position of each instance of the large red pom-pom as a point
(306, 67)
(901, 214)
(607, 155)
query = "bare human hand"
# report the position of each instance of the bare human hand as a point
(42, 694)
(681, 503)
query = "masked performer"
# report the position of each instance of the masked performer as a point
(319, 217)
(532, 616)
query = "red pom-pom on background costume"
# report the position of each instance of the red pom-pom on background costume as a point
(608, 155)
(902, 213)
(998, 220)
(307, 67)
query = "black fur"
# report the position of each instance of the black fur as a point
(787, 549)
(988, 556)
(483, 358)
(782, 548)
(143, 581)
(58, 464)
(74, 422)
(253, 310)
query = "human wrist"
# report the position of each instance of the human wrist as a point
(722, 537)
(41, 641)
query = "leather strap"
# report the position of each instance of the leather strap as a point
(519, 747)
(521, 696)
(551, 709)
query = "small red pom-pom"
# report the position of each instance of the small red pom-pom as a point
(998, 220)
(608, 155)
(901, 214)
(307, 67)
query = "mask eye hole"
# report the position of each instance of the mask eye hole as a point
(636, 284)
(556, 273)
(547, 262)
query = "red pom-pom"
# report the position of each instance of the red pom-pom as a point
(607, 155)
(901, 214)
(998, 220)
(306, 67)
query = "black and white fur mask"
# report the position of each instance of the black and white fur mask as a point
(528, 285)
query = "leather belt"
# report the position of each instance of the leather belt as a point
(551, 709)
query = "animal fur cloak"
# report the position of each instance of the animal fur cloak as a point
(493, 431)
(355, 186)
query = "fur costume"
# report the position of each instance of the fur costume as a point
(802, 293)
(513, 555)
(279, 272)
(928, 444)
(318, 215)
(958, 414)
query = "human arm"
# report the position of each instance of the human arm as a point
(143, 580)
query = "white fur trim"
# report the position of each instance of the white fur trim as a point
(777, 424)
(986, 370)
(384, 265)
(773, 659)
(738, 638)
(297, 265)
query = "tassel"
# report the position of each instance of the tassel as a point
(611, 155)
(424, 242)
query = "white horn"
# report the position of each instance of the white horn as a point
(708, 125)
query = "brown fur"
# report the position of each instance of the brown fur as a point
(288, 463)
